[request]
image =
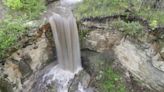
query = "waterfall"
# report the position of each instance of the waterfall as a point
(66, 38)
(65, 34)
(59, 78)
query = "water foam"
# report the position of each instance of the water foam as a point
(70, 2)
(60, 77)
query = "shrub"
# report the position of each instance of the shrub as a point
(10, 30)
(131, 28)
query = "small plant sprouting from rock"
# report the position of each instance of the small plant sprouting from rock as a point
(153, 24)
(83, 34)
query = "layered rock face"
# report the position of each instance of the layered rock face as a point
(141, 59)
(26, 61)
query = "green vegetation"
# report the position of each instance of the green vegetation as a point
(111, 81)
(33, 8)
(30, 8)
(13, 26)
(100, 8)
(83, 34)
(13, 4)
(145, 9)
(10, 31)
(133, 29)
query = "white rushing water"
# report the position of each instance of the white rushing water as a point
(65, 33)
(70, 2)
(61, 78)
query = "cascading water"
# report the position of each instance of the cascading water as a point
(65, 33)
(67, 42)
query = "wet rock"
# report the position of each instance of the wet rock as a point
(5, 86)
(37, 82)
(25, 68)
(93, 62)
(80, 82)
(50, 1)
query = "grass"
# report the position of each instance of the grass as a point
(29, 8)
(111, 81)
(92, 8)
(100, 8)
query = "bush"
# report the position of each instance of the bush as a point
(10, 30)
(131, 28)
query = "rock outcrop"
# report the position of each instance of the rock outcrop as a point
(141, 64)
(27, 60)
(141, 59)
